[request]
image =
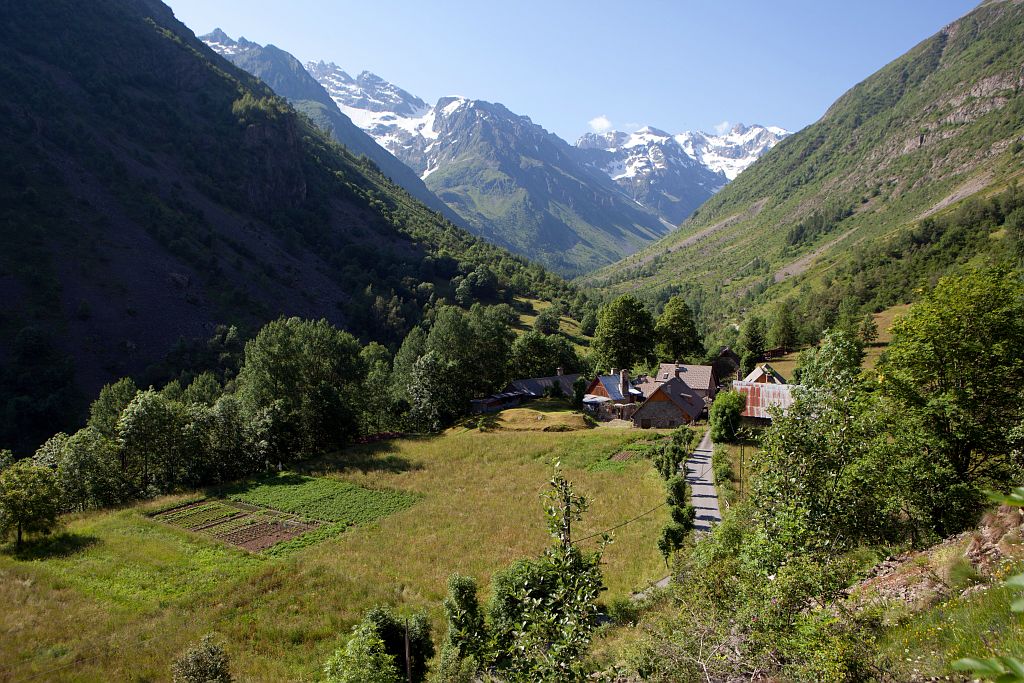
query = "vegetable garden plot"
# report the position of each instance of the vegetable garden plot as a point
(245, 526)
(259, 515)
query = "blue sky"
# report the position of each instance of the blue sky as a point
(572, 65)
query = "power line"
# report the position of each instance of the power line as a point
(111, 649)
(619, 526)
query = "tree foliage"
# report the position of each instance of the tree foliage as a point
(536, 355)
(954, 369)
(624, 335)
(364, 659)
(725, 414)
(302, 378)
(29, 499)
(676, 332)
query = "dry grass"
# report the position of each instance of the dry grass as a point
(884, 320)
(530, 420)
(122, 602)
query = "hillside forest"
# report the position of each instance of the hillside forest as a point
(262, 414)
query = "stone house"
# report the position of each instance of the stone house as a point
(671, 404)
(700, 378)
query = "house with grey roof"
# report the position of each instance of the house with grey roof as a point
(520, 390)
(612, 396)
(672, 403)
(701, 378)
(536, 387)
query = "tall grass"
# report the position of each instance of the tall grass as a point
(121, 604)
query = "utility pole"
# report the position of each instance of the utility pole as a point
(408, 659)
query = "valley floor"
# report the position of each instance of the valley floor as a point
(118, 595)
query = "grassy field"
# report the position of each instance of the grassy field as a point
(787, 365)
(566, 325)
(119, 594)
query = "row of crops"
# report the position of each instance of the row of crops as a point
(277, 510)
(321, 498)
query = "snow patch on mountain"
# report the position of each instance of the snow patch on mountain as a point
(731, 153)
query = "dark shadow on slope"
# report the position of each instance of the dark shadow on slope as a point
(48, 547)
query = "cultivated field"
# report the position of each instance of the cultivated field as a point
(280, 513)
(119, 594)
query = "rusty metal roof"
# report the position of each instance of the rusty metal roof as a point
(760, 396)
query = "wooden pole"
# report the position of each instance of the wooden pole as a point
(408, 659)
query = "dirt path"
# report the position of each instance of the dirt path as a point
(804, 262)
(703, 495)
(702, 485)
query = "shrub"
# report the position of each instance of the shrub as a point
(623, 611)
(720, 465)
(364, 659)
(205, 662)
(724, 416)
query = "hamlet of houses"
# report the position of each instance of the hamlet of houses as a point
(677, 394)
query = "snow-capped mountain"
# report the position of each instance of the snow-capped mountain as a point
(653, 169)
(731, 153)
(517, 184)
(508, 176)
(286, 75)
(674, 174)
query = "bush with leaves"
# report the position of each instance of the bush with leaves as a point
(29, 500)
(542, 612)
(364, 659)
(724, 416)
(682, 515)
(205, 662)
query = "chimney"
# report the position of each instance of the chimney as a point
(560, 371)
(614, 371)
(624, 383)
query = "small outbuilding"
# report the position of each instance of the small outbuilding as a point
(761, 396)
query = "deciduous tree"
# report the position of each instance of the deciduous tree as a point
(724, 416)
(676, 332)
(304, 376)
(625, 333)
(29, 499)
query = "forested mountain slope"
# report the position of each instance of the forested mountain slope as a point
(859, 204)
(150, 190)
(289, 79)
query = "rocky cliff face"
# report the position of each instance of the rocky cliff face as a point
(289, 79)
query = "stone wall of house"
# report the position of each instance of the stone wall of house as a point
(662, 415)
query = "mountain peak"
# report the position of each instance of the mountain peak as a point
(217, 36)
